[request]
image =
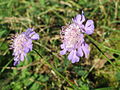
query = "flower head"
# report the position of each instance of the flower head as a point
(72, 36)
(22, 44)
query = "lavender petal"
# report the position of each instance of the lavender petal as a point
(70, 56)
(62, 46)
(63, 52)
(79, 19)
(85, 49)
(22, 57)
(89, 27)
(15, 63)
(75, 58)
(80, 52)
(35, 37)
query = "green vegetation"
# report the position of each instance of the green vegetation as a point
(44, 68)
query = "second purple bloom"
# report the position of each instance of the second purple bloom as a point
(72, 36)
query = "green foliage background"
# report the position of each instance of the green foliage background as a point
(43, 67)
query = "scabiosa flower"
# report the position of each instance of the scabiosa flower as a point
(22, 44)
(72, 36)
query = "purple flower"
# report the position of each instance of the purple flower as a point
(22, 44)
(72, 36)
(88, 28)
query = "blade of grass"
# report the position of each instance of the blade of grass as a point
(103, 46)
(6, 66)
(110, 29)
(97, 45)
(74, 86)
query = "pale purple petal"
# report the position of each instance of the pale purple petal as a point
(27, 46)
(28, 31)
(26, 50)
(63, 52)
(89, 27)
(70, 56)
(62, 46)
(75, 58)
(30, 47)
(79, 19)
(22, 57)
(35, 36)
(81, 38)
(80, 52)
(32, 34)
(16, 62)
(85, 49)
(16, 58)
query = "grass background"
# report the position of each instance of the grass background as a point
(101, 71)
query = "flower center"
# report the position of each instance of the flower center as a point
(71, 35)
(19, 42)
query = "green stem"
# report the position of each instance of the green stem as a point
(98, 46)
(103, 46)
(74, 86)
(6, 65)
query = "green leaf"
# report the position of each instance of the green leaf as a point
(118, 76)
(2, 32)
